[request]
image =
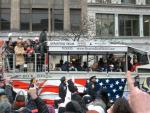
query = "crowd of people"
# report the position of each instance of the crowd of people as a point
(110, 64)
(24, 53)
(91, 101)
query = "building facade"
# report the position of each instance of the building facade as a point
(121, 21)
(29, 17)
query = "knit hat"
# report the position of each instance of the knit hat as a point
(92, 77)
(87, 99)
(63, 79)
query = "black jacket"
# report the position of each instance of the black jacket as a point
(91, 89)
(62, 90)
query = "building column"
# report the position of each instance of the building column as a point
(49, 16)
(83, 12)
(15, 15)
(116, 26)
(141, 26)
(66, 15)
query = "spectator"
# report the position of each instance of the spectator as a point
(63, 88)
(6, 85)
(85, 66)
(9, 52)
(72, 87)
(10, 93)
(5, 106)
(101, 101)
(121, 105)
(29, 56)
(19, 51)
(78, 98)
(41, 106)
(135, 64)
(73, 107)
(91, 87)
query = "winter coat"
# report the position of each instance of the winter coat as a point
(62, 90)
(91, 89)
(19, 51)
(10, 93)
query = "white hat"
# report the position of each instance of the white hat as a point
(36, 38)
(20, 38)
(99, 109)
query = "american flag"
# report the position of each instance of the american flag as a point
(114, 86)
(49, 89)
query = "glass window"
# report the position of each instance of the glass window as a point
(105, 24)
(148, 2)
(25, 19)
(58, 4)
(5, 3)
(40, 3)
(128, 1)
(75, 19)
(39, 19)
(128, 25)
(57, 19)
(146, 22)
(4, 19)
(25, 3)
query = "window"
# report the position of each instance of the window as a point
(146, 22)
(4, 19)
(57, 19)
(128, 1)
(105, 24)
(5, 3)
(40, 3)
(25, 19)
(25, 3)
(75, 19)
(5, 14)
(39, 19)
(129, 25)
(148, 2)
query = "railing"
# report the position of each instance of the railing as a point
(27, 63)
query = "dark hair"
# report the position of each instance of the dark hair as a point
(121, 105)
(73, 106)
(103, 94)
(78, 98)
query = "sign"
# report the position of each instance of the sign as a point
(84, 46)
(88, 48)
(77, 43)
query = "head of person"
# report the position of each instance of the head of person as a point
(2, 82)
(19, 43)
(103, 95)
(20, 100)
(5, 106)
(63, 79)
(87, 99)
(93, 79)
(33, 81)
(73, 107)
(121, 105)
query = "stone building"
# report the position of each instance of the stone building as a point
(121, 21)
(28, 17)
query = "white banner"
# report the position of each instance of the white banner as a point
(88, 48)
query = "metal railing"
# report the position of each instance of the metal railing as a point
(27, 63)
